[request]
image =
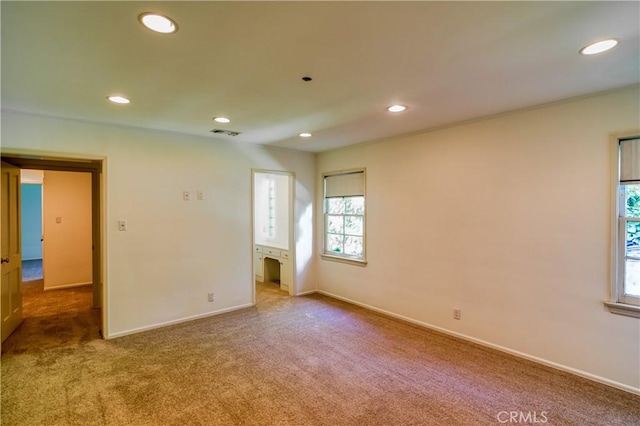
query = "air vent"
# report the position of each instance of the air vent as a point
(224, 132)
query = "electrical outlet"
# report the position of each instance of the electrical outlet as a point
(211, 297)
(200, 195)
(456, 313)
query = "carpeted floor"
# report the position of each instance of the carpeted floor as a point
(53, 319)
(290, 361)
(32, 270)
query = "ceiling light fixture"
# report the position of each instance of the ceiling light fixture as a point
(305, 135)
(599, 47)
(158, 23)
(221, 119)
(117, 99)
(396, 108)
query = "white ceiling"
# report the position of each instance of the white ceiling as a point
(447, 61)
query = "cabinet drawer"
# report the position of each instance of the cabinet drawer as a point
(272, 252)
(284, 254)
(258, 249)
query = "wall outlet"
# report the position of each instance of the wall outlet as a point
(456, 313)
(211, 297)
(200, 195)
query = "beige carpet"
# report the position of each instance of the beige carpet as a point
(288, 361)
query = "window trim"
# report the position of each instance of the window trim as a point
(337, 257)
(616, 303)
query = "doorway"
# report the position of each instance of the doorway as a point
(31, 224)
(273, 248)
(92, 171)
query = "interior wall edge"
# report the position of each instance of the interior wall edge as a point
(176, 321)
(64, 286)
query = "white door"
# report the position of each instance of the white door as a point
(11, 305)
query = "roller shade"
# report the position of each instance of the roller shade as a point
(344, 184)
(630, 160)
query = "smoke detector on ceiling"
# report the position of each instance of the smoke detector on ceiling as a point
(224, 132)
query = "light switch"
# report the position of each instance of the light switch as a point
(185, 195)
(58, 219)
(122, 225)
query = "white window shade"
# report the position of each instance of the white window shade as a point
(344, 185)
(630, 160)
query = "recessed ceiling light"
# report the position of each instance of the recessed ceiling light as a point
(221, 119)
(305, 135)
(599, 47)
(158, 23)
(396, 108)
(117, 99)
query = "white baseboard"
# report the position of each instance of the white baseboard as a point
(58, 287)
(305, 293)
(519, 354)
(176, 321)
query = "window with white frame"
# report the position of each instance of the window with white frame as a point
(272, 206)
(626, 246)
(344, 215)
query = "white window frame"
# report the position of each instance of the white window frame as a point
(340, 257)
(619, 302)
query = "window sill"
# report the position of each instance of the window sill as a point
(623, 309)
(341, 259)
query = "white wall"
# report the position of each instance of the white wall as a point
(31, 176)
(507, 219)
(175, 251)
(66, 217)
(280, 237)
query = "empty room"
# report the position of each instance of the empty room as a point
(321, 213)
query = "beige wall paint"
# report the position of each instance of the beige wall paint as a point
(507, 219)
(67, 245)
(174, 252)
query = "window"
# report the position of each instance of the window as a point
(344, 216)
(625, 287)
(272, 206)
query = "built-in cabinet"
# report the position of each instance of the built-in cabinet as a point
(265, 254)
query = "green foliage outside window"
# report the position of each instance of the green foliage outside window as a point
(632, 201)
(345, 225)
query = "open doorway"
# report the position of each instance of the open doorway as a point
(31, 224)
(273, 239)
(71, 218)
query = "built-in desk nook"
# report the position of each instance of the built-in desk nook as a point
(273, 265)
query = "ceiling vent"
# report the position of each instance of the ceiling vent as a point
(224, 132)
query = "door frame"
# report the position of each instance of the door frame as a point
(97, 166)
(291, 223)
